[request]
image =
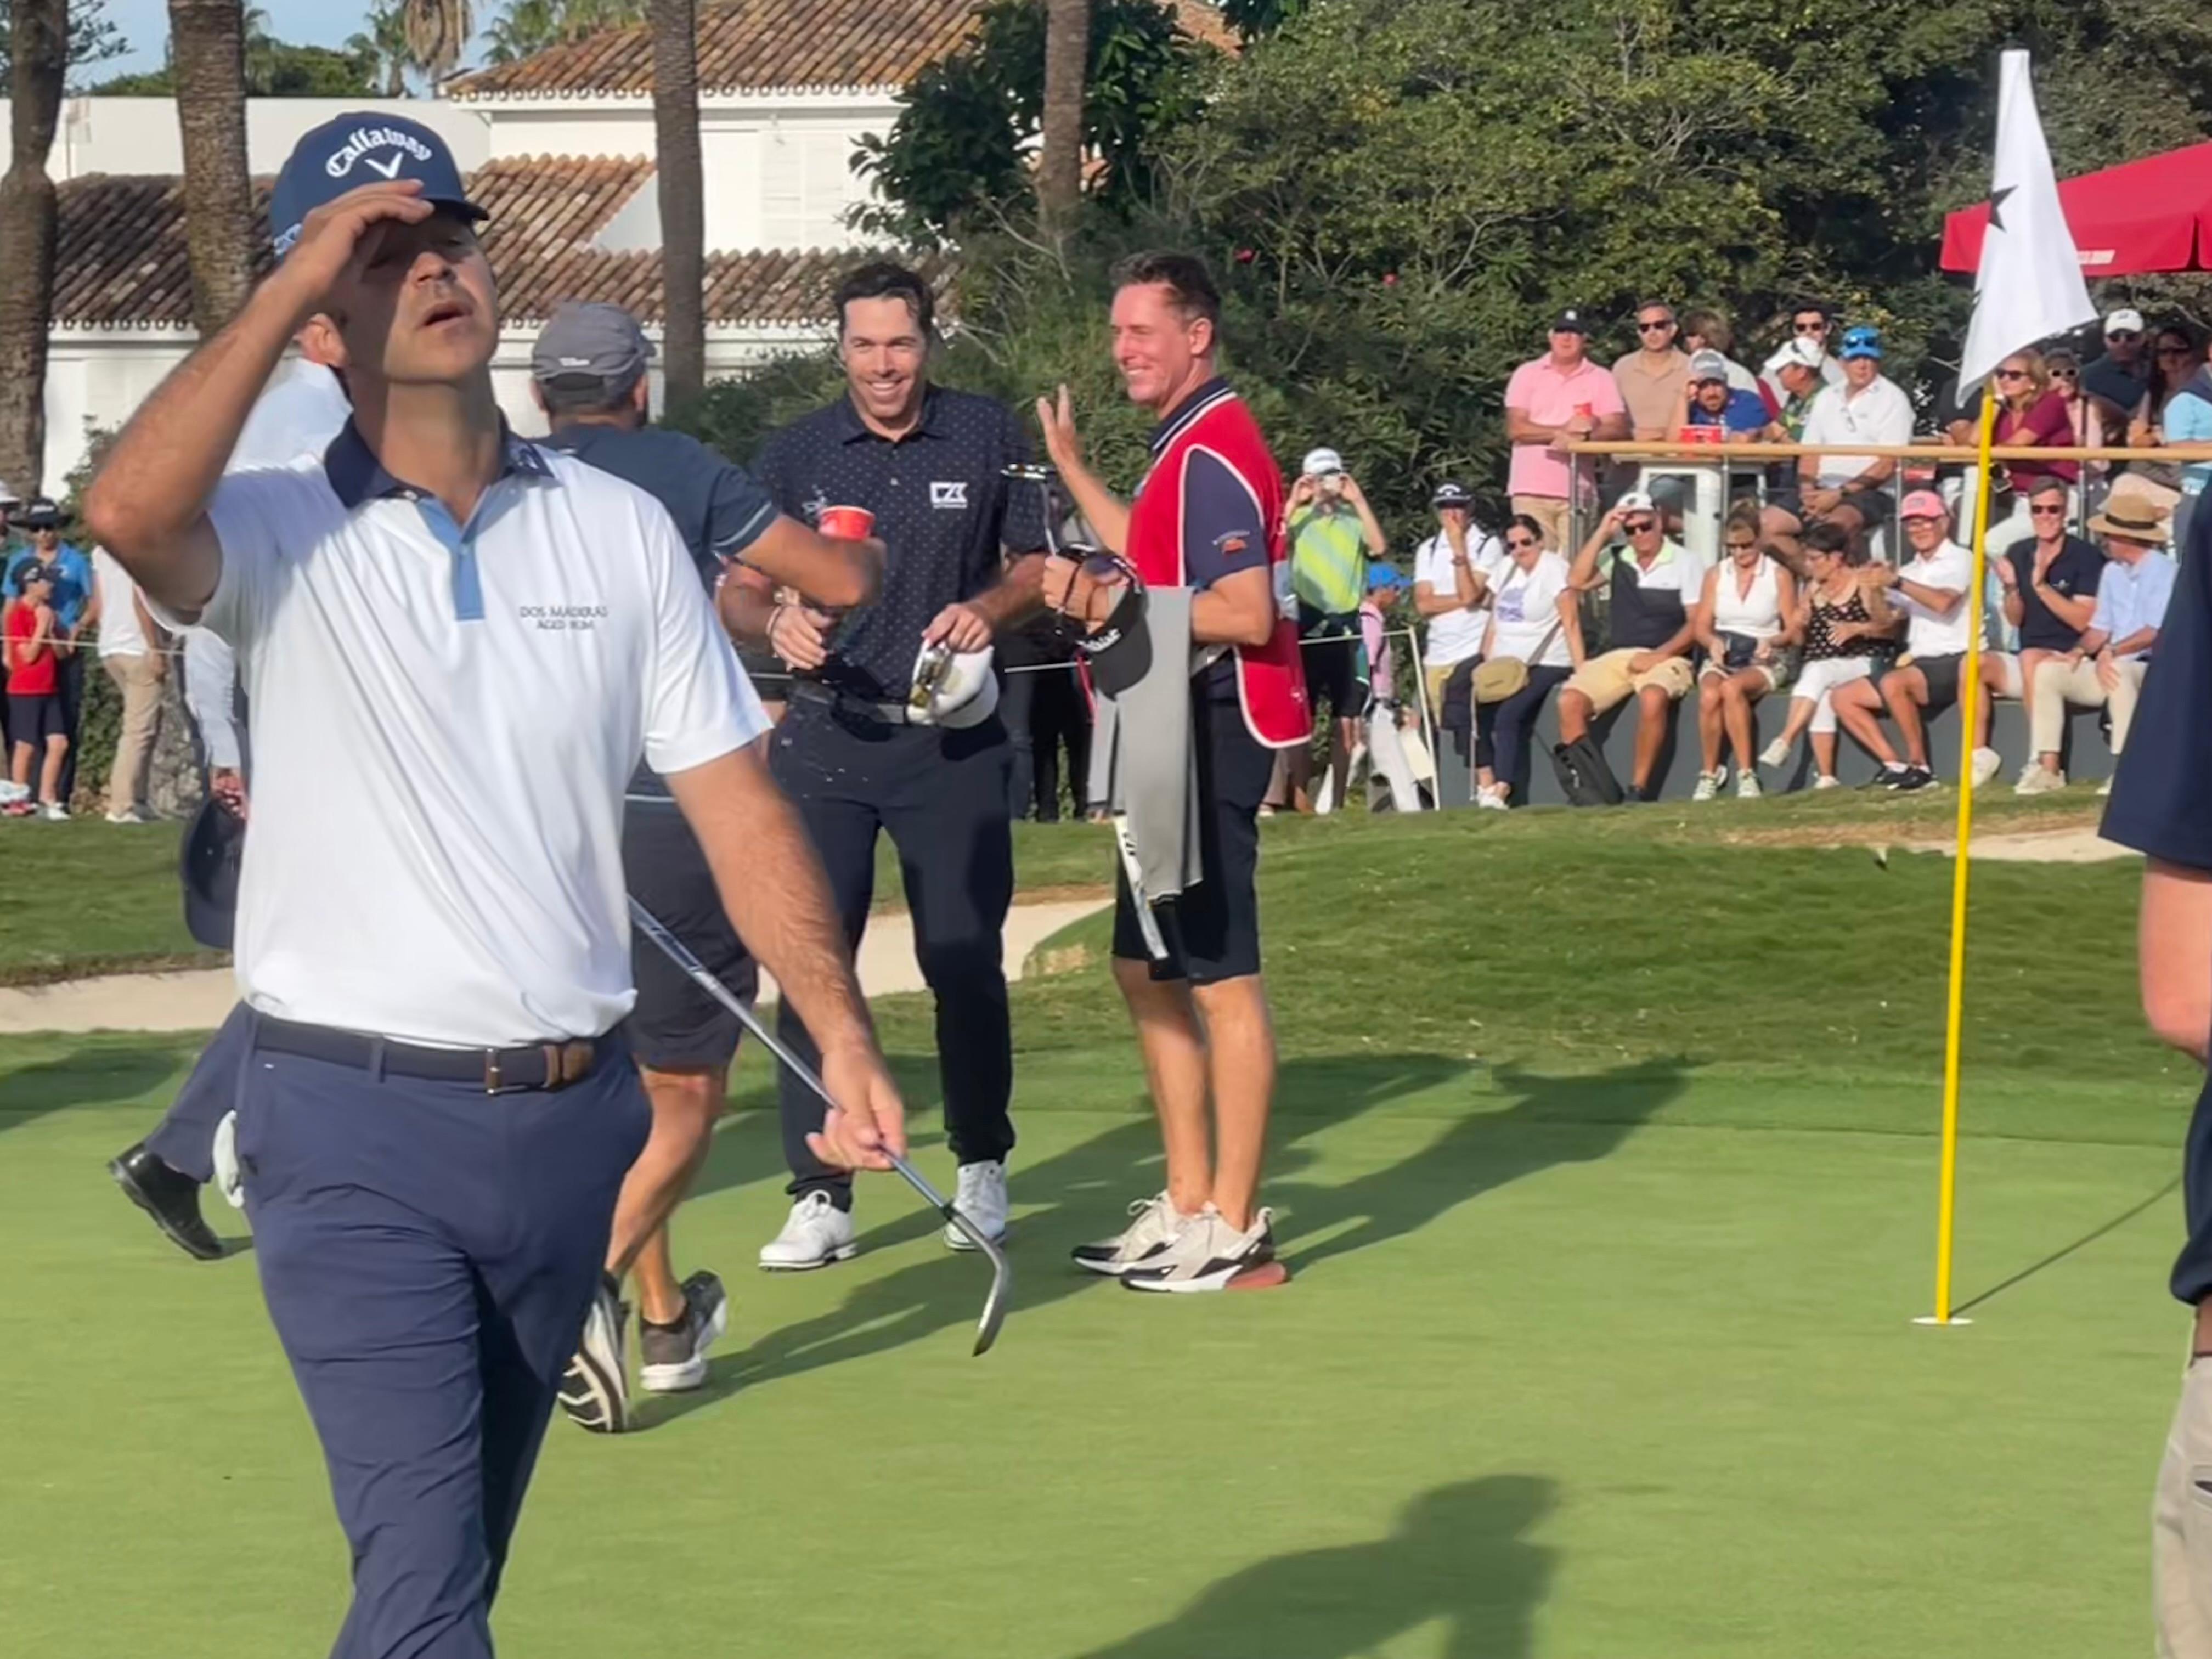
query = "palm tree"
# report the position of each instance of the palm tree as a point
(1059, 164)
(207, 51)
(39, 41)
(683, 198)
(383, 47)
(437, 33)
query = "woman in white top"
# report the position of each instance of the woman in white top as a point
(1747, 622)
(1535, 619)
(1451, 588)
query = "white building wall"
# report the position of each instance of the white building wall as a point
(95, 378)
(140, 134)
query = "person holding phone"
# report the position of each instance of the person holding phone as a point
(1334, 532)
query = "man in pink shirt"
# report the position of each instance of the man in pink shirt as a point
(1553, 399)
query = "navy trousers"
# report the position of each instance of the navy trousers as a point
(427, 1253)
(942, 796)
(185, 1138)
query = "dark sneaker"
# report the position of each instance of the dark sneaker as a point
(1206, 1255)
(171, 1197)
(673, 1358)
(1916, 777)
(595, 1389)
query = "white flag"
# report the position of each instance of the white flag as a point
(2030, 285)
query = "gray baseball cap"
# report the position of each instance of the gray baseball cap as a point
(590, 341)
(1708, 365)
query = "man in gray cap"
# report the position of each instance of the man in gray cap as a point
(588, 373)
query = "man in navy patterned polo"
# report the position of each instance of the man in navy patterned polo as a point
(962, 561)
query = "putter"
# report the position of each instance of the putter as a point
(1002, 1272)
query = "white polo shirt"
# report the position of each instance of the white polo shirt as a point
(444, 718)
(1456, 635)
(1949, 568)
(1879, 414)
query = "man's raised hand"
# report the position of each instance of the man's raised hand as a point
(341, 235)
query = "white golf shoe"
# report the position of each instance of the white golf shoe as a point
(1987, 763)
(815, 1234)
(983, 1199)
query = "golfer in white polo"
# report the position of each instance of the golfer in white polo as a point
(457, 647)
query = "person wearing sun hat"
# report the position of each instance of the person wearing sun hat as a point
(2105, 668)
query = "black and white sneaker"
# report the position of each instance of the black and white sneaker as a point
(1156, 1226)
(1206, 1254)
(1915, 777)
(595, 1389)
(672, 1359)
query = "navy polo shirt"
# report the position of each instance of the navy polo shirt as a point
(2161, 805)
(2076, 571)
(719, 508)
(945, 512)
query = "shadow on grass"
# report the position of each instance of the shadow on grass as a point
(1074, 1196)
(1556, 1120)
(100, 1074)
(1461, 1556)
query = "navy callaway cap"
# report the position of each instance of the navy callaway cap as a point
(368, 147)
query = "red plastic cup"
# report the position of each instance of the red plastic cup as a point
(850, 524)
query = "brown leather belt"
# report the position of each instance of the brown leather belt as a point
(539, 1066)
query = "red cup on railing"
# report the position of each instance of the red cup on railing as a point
(847, 523)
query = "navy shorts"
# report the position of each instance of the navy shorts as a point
(676, 1026)
(1334, 657)
(1212, 931)
(34, 720)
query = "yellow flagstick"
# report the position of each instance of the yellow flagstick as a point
(1970, 695)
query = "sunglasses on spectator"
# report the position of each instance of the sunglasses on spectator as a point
(1812, 328)
(1653, 324)
(2012, 374)
(2125, 334)
(1735, 546)
(2065, 373)
(2046, 512)
(1638, 526)
(1522, 544)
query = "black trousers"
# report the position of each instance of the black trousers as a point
(1043, 708)
(68, 681)
(941, 796)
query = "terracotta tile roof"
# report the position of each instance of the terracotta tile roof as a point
(774, 44)
(121, 257)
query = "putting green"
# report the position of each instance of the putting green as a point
(1600, 1342)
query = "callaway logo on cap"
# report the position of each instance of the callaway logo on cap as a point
(362, 148)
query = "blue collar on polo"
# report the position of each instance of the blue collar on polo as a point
(364, 148)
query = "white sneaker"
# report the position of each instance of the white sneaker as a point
(2039, 780)
(1206, 1254)
(1827, 780)
(2106, 787)
(1709, 785)
(11, 791)
(1987, 763)
(815, 1234)
(128, 815)
(1776, 753)
(54, 812)
(1491, 800)
(983, 1199)
(1746, 786)
(1157, 1225)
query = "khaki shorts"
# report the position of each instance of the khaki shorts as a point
(1606, 680)
(2181, 1524)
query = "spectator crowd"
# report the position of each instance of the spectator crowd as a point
(1804, 602)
